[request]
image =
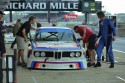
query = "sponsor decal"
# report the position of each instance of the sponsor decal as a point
(57, 45)
(70, 16)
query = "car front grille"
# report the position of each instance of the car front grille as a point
(49, 54)
(57, 55)
(66, 54)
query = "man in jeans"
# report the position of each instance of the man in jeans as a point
(21, 38)
(107, 32)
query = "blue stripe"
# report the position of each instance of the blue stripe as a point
(33, 64)
(81, 64)
(55, 30)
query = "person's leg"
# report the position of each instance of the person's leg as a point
(91, 48)
(110, 52)
(99, 49)
(99, 52)
(21, 46)
(13, 43)
(92, 56)
(22, 56)
(18, 59)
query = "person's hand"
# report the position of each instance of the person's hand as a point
(83, 37)
(26, 40)
(96, 38)
(37, 28)
(114, 38)
(83, 45)
(3, 55)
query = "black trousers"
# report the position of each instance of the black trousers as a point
(1, 72)
(13, 43)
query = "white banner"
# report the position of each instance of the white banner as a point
(44, 6)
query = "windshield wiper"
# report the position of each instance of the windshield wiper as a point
(61, 37)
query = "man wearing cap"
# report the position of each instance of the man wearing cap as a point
(2, 44)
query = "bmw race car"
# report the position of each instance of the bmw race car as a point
(55, 48)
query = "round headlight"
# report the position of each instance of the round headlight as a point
(78, 54)
(72, 54)
(43, 54)
(37, 54)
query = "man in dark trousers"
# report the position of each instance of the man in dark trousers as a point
(15, 30)
(88, 36)
(107, 33)
(2, 45)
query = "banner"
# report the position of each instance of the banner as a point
(44, 6)
(70, 16)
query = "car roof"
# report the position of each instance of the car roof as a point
(59, 29)
(54, 28)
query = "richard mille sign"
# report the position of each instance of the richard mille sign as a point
(38, 6)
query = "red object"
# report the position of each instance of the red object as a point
(88, 33)
(70, 16)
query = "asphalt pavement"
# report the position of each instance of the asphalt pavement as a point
(90, 75)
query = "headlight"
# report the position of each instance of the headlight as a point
(37, 54)
(78, 54)
(72, 54)
(43, 54)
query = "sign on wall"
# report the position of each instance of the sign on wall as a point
(91, 6)
(70, 16)
(44, 6)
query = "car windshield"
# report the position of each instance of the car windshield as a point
(54, 36)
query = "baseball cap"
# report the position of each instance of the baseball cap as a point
(1, 12)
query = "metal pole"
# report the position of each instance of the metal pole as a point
(11, 16)
(10, 70)
(86, 16)
(15, 58)
(48, 16)
(7, 71)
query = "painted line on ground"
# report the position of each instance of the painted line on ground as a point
(117, 57)
(34, 79)
(119, 39)
(118, 51)
(120, 78)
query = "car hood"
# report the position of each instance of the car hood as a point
(61, 45)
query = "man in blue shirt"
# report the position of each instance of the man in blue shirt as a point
(107, 34)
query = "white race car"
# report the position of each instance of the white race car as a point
(55, 48)
(9, 38)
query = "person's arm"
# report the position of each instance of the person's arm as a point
(113, 29)
(99, 34)
(84, 31)
(35, 28)
(24, 34)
